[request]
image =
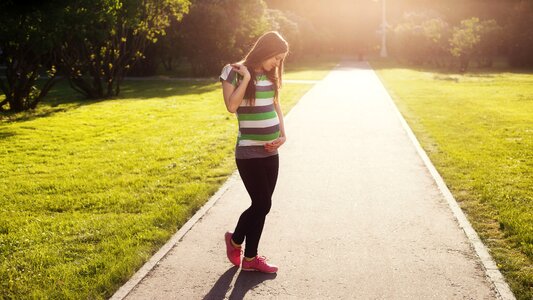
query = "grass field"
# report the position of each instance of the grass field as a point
(91, 189)
(477, 128)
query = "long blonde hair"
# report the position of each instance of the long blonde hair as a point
(268, 45)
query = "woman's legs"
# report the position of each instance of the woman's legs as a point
(259, 176)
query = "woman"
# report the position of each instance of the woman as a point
(250, 90)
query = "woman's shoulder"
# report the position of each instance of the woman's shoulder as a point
(230, 75)
(227, 70)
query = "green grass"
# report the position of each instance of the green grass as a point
(91, 189)
(477, 128)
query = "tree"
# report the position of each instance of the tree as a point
(464, 41)
(169, 49)
(207, 37)
(421, 38)
(108, 36)
(217, 32)
(436, 33)
(29, 35)
(281, 22)
(475, 39)
(491, 41)
(520, 36)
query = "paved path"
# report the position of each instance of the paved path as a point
(356, 214)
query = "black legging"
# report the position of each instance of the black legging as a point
(259, 176)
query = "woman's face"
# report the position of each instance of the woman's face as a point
(273, 62)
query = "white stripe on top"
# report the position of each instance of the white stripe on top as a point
(259, 102)
(264, 83)
(259, 123)
(253, 142)
(225, 72)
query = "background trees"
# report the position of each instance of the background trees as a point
(108, 36)
(475, 38)
(29, 39)
(428, 31)
(95, 43)
(519, 36)
(90, 42)
(211, 32)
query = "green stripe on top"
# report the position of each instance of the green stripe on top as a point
(261, 77)
(264, 95)
(257, 117)
(260, 137)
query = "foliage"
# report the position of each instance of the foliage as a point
(288, 28)
(492, 40)
(147, 65)
(475, 38)
(209, 39)
(421, 38)
(208, 36)
(166, 51)
(28, 44)
(219, 32)
(108, 36)
(313, 40)
(336, 26)
(464, 41)
(520, 36)
(426, 38)
(436, 32)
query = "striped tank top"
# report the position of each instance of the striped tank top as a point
(258, 124)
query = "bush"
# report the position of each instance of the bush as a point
(215, 33)
(475, 39)
(422, 38)
(520, 41)
(288, 28)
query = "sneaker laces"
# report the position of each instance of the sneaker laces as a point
(261, 259)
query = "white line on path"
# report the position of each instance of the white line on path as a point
(154, 260)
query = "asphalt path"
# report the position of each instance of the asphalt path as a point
(356, 215)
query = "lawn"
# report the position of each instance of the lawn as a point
(477, 128)
(91, 189)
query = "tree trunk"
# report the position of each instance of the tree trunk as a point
(22, 69)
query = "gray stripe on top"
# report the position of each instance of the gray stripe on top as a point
(231, 76)
(252, 152)
(265, 88)
(264, 130)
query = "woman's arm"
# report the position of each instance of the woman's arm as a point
(273, 146)
(277, 107)
(233, 96)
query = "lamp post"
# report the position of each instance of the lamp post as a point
(383, 52)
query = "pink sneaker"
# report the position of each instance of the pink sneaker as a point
(258, 264)
(234, 254)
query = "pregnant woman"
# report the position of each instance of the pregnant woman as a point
(250, 88)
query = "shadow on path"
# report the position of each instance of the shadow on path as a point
(245, 281)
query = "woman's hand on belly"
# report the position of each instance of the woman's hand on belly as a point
(274, 145)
